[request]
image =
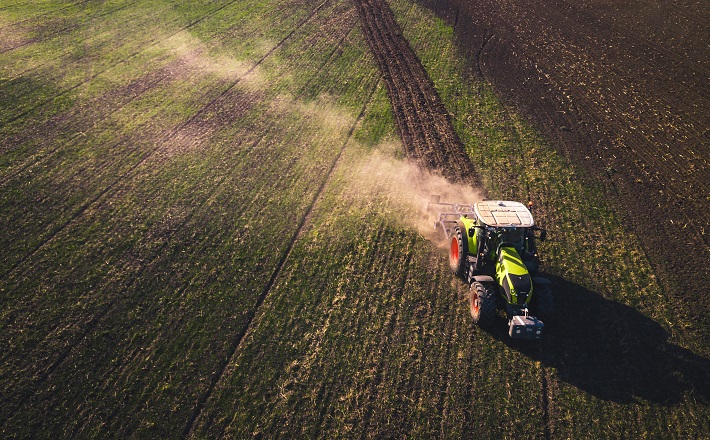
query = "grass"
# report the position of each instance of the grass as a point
(191, 247)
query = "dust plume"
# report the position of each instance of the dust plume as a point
(323, 112)
(406, 188)
(198, 57)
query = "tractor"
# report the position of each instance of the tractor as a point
(492, 246)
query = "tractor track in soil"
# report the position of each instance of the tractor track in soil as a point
(194, 124)
(276, 272)
(152, 44)
(49, 71)
(43, 14)
(97, 109)
(53, 33)
(96, 319)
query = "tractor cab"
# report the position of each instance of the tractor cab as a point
(504, 224)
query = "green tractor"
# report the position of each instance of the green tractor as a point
(492, 247)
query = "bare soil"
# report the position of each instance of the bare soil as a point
(621, 89)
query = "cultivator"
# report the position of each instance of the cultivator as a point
(492, 247)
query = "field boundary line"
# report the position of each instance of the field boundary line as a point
(277, 271)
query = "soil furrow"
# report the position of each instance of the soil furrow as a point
(201, 122)
(80, 119)
(55, 33)
(423, 123)
(28, 391)
(171, 136)
(419, 117)
(96, 319)
(72, 57)
(194, 123)
(25, 20)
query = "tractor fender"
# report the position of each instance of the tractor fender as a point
(541, 280)
(483, 279)
(466, 224)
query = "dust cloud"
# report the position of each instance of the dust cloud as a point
(406, 188)
(322, 113)
(196, 57)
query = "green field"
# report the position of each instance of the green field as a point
(209, 228)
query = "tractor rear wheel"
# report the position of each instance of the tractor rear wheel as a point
(543, 304)
(457, 252)
(483, 304)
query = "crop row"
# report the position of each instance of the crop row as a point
(122, 314)
(210, 234)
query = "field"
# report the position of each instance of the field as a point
(213, 224)
(622, 90)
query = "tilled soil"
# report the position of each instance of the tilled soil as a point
(421, 118)
(622, 90)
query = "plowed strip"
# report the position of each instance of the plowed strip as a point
(422, 120)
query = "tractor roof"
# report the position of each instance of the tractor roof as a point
(498, 213)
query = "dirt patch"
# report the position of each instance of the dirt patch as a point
(622, 90)
(12, 37)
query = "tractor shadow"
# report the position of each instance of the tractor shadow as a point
(612, 351)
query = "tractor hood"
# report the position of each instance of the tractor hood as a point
(512, 275)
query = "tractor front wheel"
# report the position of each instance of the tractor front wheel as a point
(457, 252)
(483, 304)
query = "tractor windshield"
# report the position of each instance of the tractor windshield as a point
(514, 236)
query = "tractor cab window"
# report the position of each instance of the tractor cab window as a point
(514, 236)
